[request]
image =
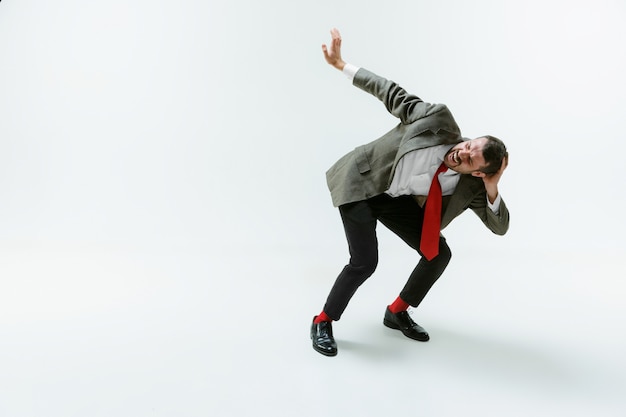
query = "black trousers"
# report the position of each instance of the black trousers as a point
(404, 217)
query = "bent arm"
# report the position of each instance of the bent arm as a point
(497, 223)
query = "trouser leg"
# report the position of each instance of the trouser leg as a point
(425, 275)
(404, 217)
(359, 224)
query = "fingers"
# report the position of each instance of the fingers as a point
(335, 45)
(336, 38)
(505, 163)
(332, 51)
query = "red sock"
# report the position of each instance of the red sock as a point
(398, 306)
(322, 317)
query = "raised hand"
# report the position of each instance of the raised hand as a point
(332, 54)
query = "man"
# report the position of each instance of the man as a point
(415, 180)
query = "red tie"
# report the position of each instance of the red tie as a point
(429, 245)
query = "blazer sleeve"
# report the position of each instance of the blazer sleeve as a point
(497, 223)
(403, 105)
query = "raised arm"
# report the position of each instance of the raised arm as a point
(407, 107)
(400, 103)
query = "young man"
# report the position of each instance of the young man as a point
(415, 180)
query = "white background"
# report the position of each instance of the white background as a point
(166, 234)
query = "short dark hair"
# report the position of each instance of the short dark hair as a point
(494, 152)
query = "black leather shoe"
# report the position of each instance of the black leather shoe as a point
(403, 322)
(322, 337)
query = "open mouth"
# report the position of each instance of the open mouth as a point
(454, 158)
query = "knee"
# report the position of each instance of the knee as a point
(443, 257)
(445, 254)
(364, 267)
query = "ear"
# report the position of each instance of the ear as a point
(479, 174)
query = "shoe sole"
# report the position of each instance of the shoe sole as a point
(394, 326)
(324, 352)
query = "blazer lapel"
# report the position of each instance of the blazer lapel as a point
(459, 201)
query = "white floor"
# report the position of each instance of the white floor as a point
(88, 331)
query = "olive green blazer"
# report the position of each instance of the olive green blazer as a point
(368, 170)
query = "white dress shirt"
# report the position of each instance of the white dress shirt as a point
(415, 170)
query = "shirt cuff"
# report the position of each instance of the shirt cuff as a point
(350, 70)
(495, 207)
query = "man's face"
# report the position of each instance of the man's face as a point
(467, 157)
